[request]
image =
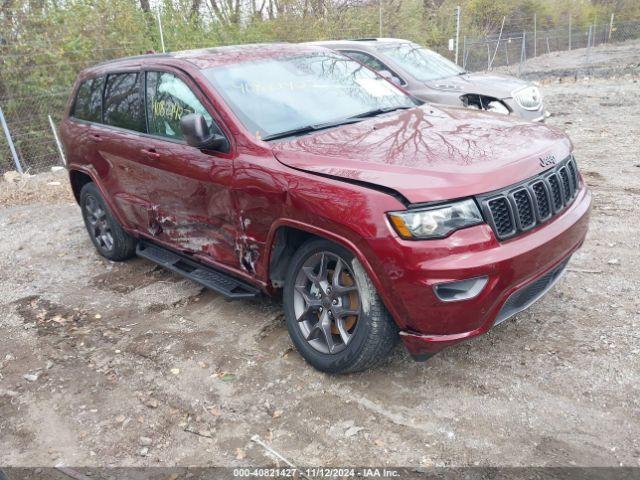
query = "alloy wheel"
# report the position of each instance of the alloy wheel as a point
(327, 302)
(99, 224)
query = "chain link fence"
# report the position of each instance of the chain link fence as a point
(30, 93)
(514, 49)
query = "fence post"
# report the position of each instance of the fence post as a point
(506, 51)
(488, 56)
(457, 31)
(589, 39)
(523, 54)
(535, 34)
(12, 147)
(610, 28)
(161, 33)
(58, 144)
(464, 52)
(569, 32)
(497, 44)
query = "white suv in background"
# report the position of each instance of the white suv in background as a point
(432, 78)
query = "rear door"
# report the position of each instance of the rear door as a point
(190, 189)
(120, 147)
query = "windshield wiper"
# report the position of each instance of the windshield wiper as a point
(380, 111)
(324, 126)
(309, 129)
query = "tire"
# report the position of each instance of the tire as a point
(357, 342)
(109, 238)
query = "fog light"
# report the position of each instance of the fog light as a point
(460, 290)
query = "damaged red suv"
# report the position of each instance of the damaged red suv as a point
(293, 170)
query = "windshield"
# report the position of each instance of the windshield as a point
(284, 94)
(419, 62)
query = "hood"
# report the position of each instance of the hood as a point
(429, 154)
(492, 85)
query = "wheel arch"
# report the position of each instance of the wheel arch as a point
(79, 177)
(287, 236)
(78, 180)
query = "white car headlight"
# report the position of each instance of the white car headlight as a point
(528, 98)
(435, 222)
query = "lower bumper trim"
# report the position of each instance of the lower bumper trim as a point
(526, 296)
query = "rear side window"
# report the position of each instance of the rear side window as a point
(123, 102)
(88, 103)
(168, 100)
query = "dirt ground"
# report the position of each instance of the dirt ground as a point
(105, 364)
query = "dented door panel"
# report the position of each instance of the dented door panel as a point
(120, 165)
(192, 206)
(260, 195)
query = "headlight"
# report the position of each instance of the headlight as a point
(528, 98)
(435, 222)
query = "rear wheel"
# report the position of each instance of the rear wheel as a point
(107, 235)
(335, 317)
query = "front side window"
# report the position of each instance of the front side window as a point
(123, 103)
(88, 103)
(278, 95)
(369, 60)
(421, 63)
(168, 100)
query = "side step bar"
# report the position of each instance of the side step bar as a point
(211, 278)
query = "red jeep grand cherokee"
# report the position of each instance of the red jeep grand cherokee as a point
(293, 169)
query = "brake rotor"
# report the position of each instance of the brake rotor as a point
(354, 304)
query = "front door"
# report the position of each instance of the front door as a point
(189, 189)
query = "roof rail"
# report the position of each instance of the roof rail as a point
(148, 54)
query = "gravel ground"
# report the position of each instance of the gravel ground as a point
(605, 60)
(107, 364)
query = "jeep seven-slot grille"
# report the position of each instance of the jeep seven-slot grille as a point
(520, 207)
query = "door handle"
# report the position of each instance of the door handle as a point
(96, 137)
(151, 153)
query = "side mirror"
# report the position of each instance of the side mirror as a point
(390, 76)
(196, 132)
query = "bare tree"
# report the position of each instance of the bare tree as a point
(144, 4)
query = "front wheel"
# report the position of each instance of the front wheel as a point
(334, 314)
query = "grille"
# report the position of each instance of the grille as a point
(566, 184)
(556, 191)
(574, 172)
(524, 206)
(542, 199)
(502, 216)
(520, 207)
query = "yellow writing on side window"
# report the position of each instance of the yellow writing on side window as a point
(168, 110)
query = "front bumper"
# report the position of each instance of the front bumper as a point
(429, 325)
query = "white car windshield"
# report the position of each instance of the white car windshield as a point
(305, 91)
(422, 64)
